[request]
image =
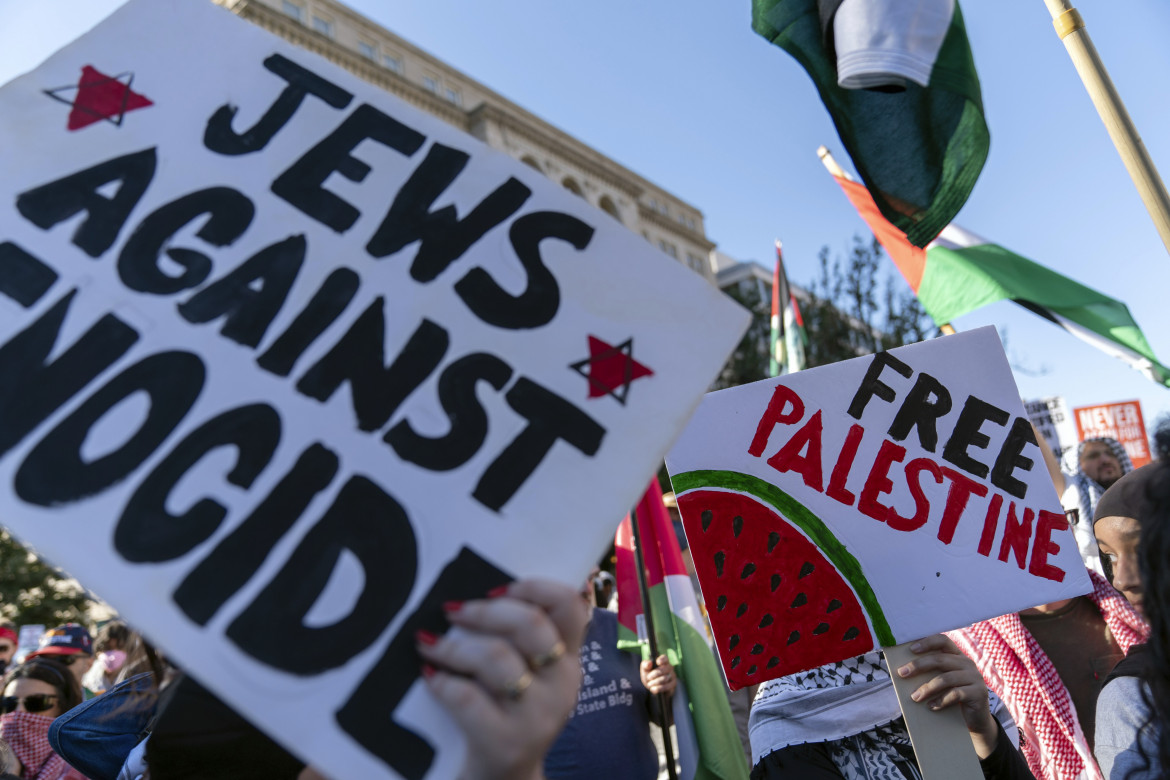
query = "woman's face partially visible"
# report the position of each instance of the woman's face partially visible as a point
(1118, 538)
(26, 687)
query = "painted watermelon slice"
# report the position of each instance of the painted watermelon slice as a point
(783, 594)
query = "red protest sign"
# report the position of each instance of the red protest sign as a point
(1122, 421)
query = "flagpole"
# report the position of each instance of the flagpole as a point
(1071, 29)
(663, 703)
(836, 170)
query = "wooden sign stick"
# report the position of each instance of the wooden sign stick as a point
(940, 739)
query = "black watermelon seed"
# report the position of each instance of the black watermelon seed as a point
(793, 637)
(766, 621)
(734, 641)
(772, 662)
(735, 662)
(757, 649)
(775, 582)
(742, 609)
(773, 540)
(820, 629)
(806, 569)
(705, 518)
(737, 525)
(834, 604)
(719, 558)
(719, 605)
(800, 600)
(752, 669)
(748, 571)
(850, 634)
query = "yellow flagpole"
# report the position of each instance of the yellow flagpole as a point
(1071, 29)
(835, 169)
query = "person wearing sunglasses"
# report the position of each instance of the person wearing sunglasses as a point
(35, 693)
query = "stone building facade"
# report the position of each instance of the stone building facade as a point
(382, 58)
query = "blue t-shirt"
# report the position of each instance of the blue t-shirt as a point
(608, 734)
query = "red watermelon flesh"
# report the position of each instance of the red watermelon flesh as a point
(776, 604)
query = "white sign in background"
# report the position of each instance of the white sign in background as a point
(924, 584)
(242, 330)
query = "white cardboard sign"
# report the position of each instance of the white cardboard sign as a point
(285, 363)
(868, 503)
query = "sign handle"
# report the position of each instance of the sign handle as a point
(940, 739)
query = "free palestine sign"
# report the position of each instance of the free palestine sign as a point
(286, 363)
(869, 503)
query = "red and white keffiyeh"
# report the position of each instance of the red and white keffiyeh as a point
(28, 736)
(1014, 666)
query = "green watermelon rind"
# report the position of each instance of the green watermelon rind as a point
(813, 527)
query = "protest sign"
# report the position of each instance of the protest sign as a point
(1051, 417)
(868, 503)
(286, 363)
(1121, 421)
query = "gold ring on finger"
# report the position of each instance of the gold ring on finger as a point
(515, 689)
(548, 659)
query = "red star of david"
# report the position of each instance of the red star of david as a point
(609, 369)
(98, 97)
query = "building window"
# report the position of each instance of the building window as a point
(695, 262)
(323, 26)
(662, 209)
(691, 223)
(668, 248)
(453, 96)
(294, 10)
(393, 63)
(367, 50)
(431, 84)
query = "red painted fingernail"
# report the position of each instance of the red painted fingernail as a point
(495, 593)
(452, 606)
(428, 671)
(426, 637)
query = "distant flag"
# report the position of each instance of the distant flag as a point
(788, 335)
(960, 272)
(708, 742)
(901, 88)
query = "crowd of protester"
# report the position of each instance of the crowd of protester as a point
(1076, 689)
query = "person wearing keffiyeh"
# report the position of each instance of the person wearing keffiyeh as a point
(1089, 469)
(1015, 667)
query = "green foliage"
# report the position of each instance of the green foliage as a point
(848, 313)
(32, 591)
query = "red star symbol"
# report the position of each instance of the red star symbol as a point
(609, 369)
(98, 97)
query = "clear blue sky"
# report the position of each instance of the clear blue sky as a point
(686, 95)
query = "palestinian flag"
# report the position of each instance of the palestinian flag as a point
(902, 90)
(959, 272)
(708, 743)
(788, 336)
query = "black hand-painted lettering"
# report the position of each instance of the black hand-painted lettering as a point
(221, 139)
(359, 358)
(238, 556)
(550, 418)
(57, 201)
(55, 472)
(469, 423)
(368, 715)
(966, 435)
(23, 277)
(32, 387)
(927, 401)
(872, 385)
(373, 527)
(1011, 457)
(539, 302)
(249, 311)
(323, 309)
(147, 532)
(228, 215)
(303, 184)
(444, 236)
